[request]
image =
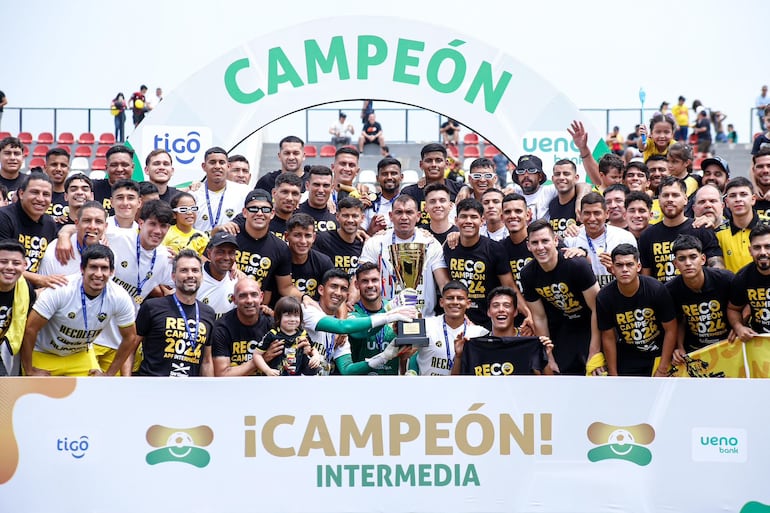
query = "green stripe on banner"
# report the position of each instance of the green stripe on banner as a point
(138, 175)
(600, 150)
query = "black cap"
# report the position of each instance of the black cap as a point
(530, 162)
(719, 161)
(258, 195)
(223, 237)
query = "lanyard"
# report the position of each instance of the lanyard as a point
(215, 220)
(450, 360)
(591, 244)
(377, 204)
(139, 281)
(192, 334)
(330, 347)
(379, 337)
(80, 248)
(85, 310)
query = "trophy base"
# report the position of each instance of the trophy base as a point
(411, 333)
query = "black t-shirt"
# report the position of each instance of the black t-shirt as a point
(655, 247)
(753, 288)
(267, 182)
(103, 194)
(762, 207)
(278, 227)
(562, 216)
(569, 317)
(169, 194)
(294, 362)
(307, 276)
(517, 256)
(34, 235)
(235, 340)
(166, 347)
(441, 237)
(325, 221)
(418, 193)
(638, 322)
(263, 259)
(6, 309)
(12, 184)
(371, 128)
(704, 313)
(478, 267)
(706, 134)
(59, 207)
(503, 356)
(344, 255)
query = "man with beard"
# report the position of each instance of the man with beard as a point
(343, 245)
(319, 190)
(286, 195)
(175, 330)
(750, 288)
(218, 283)
(530, 177)
(291, 154)
(389, 177)
(760, 173)
(57, 166)
(655, 242)
(63, 323)
(159, 168)
(219, 201)
(715, 172)
(433, 165)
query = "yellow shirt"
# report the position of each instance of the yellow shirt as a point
(681, 114)
(650, 149)
(734, 242)
(177, 240)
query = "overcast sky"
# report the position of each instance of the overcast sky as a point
(79, 53)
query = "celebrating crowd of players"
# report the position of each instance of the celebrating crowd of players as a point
(295, 276)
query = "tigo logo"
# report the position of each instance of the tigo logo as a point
(179, 444)
(185, 144)
(719, 444)
(621, 442)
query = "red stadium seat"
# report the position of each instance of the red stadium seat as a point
(107, 138)
(101, 151)
(3, 135)
(45, 138)
(471, 139)
(490, 151)
(471, 152)
(66, 138)
(99, 164)
(311, 151)
(693, 140)
(40, 150)
(37, 162)
(452, 151)
(83, 151)
(86, 138)
(698, 163)
(328, 150)
(25, 137)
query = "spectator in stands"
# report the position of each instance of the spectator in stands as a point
(732, 135)
(717, 119)
(501, 169)
(291, 153)
(368, 108)
(663, 109)
(763, 139)
(3, 103)
(11, 160)
(633, 137)
(239, 170)
(118, 110)
(385, 151)
(682, 117)
(151, 102)
(341, 131)
(615, 141)
(138, 106)
(703, 129)
(450, 132)
(371, 133)
(761, 103)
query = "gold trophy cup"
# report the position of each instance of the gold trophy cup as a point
(408, 259)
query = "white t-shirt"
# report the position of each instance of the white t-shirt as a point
(128, 276)
(49, 265)
(538, 201)
(376, 250)
(65, 334)
(217, 294)
(605, 243)
(113, 227)
(323, 340)
(498, 235)
(432, 359)
(230, 198)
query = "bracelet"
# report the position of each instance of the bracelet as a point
(585, 156)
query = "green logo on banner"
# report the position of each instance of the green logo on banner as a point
(755, 507)
(621, 442)
(182, 445)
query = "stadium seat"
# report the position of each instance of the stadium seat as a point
(410, 177)
(311, 151)
(37, 162)
(97, 174)
(452, 151)
(66, 138)
(693, 140)
(471, 151)
(367, 176)
(45, 138)
(490, 151)
(3, 135)
(99, 164)
(86, 138)
(107, 138)
(79, 164)
(698, 163)
(25, 137)
(328, 150)
(40, 150)
(471, 139)
(101, 151)
(83, 151)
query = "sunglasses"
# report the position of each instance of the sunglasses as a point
(185, 210)
(520, 171)
(485, 176)
(256, 210)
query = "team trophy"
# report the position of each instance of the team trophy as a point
(408, 259)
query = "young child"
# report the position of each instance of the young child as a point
(182, 234)
(680, 166)
(287, 328)
(661, 136)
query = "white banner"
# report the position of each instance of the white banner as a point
(348, 444)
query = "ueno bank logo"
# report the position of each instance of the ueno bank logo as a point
(720, 444)
(621, 442)
(183, 445)
(185, 144)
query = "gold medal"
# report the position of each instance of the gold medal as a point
(138, 300)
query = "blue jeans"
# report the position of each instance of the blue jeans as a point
(120, 127)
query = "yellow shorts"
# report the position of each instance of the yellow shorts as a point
(76, 364)
(105, 355)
